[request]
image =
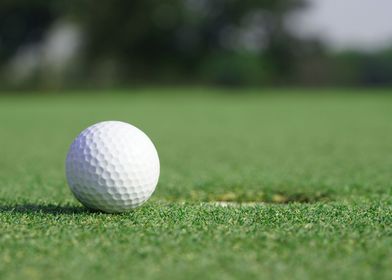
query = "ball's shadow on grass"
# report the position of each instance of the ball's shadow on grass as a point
(52, 209)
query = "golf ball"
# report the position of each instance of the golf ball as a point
(112, 166)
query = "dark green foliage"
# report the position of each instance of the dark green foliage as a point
(23, 22)
(154, 40)
(149, 38)
(225, 42)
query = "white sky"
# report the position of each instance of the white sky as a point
(358, 24)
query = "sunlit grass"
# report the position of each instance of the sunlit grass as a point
(312, 171)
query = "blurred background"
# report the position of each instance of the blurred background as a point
(88, 44)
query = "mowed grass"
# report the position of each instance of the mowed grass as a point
(308, 175)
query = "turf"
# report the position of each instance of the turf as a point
(307, 177)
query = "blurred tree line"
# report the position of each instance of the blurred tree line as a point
(121, 42)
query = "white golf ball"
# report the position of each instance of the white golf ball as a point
(112, 166)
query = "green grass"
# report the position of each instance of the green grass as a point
(313, 171)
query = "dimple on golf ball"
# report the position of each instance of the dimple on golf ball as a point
(112, 166)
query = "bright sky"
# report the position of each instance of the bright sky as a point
(359, 24)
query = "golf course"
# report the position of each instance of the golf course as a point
(254, 184)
